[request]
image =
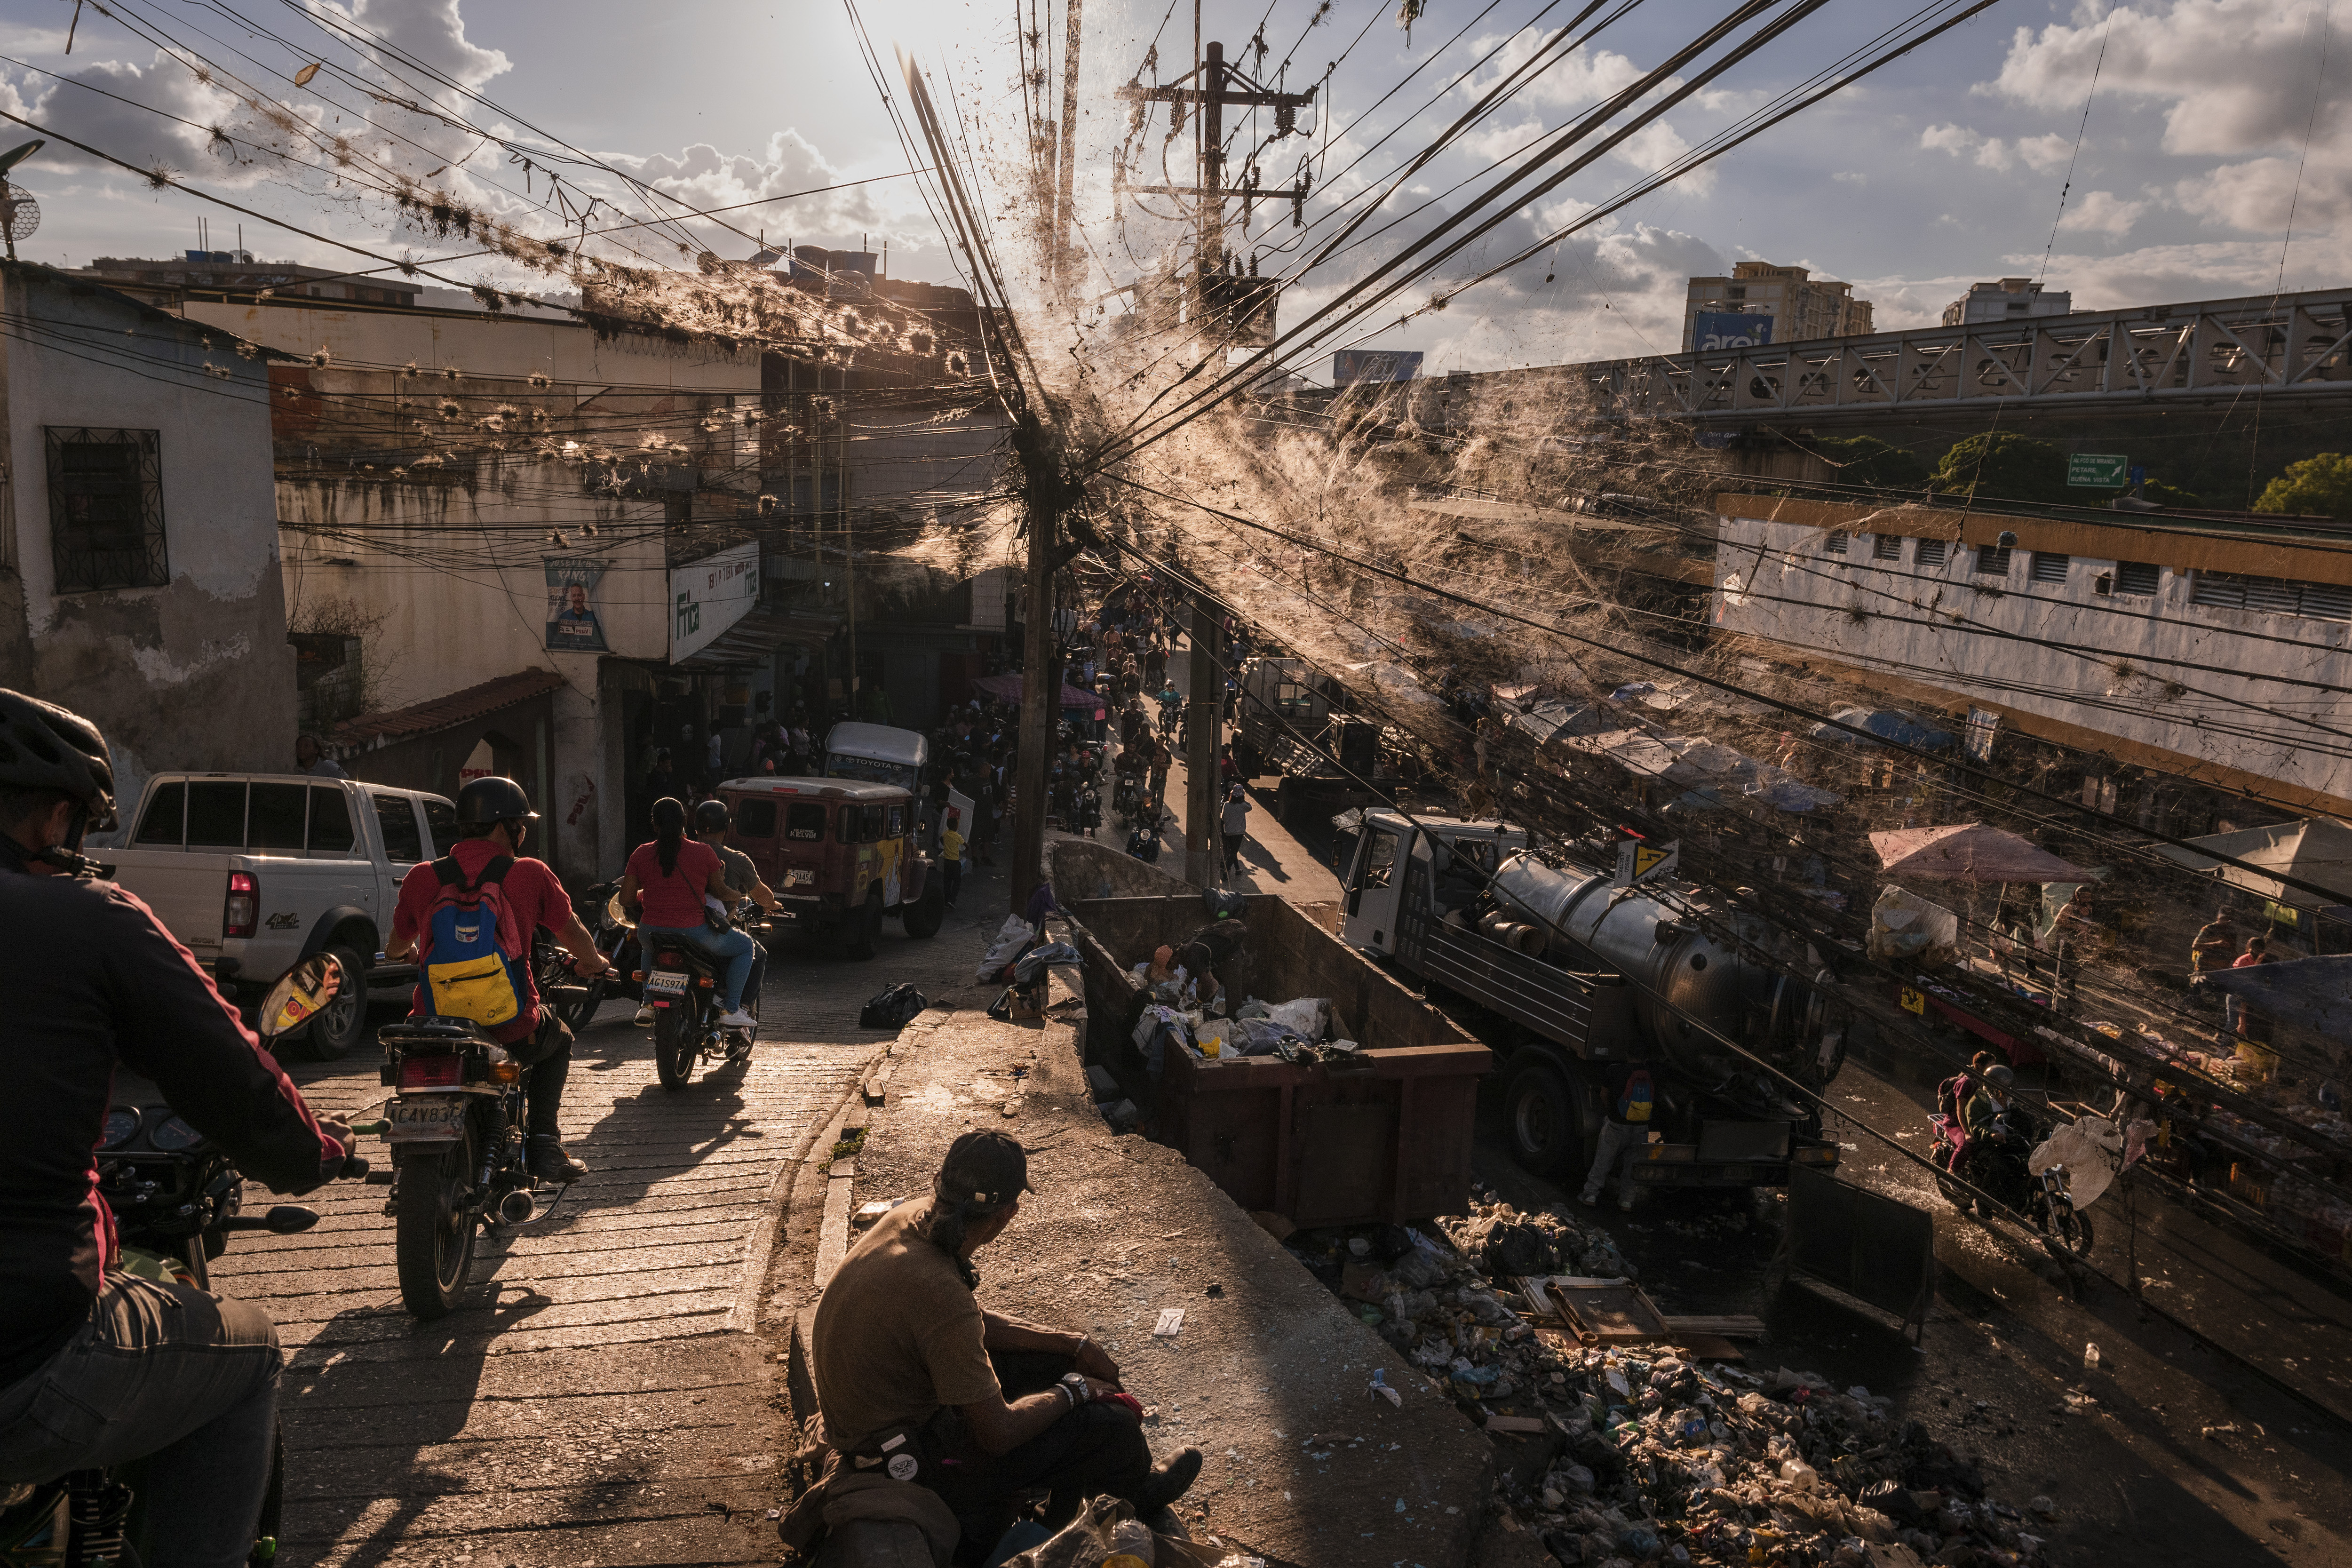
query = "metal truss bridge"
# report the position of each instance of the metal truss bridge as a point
(2290, 346)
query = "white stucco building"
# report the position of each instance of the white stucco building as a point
(2216, 652)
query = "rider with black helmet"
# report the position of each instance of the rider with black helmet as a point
(99, 1367)
(494, 818)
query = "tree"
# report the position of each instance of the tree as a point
(1998, 466)
(2318, 486)
(1872, 464)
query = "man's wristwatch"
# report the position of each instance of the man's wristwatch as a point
(1076, 1388)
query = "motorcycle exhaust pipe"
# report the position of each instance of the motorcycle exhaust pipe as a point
(516, 1208)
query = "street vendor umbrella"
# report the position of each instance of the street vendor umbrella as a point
(2314, 992)
(1007, 688)
(1970, 852)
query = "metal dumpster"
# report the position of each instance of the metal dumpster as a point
(1385, 1137)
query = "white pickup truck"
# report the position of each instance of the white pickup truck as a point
(256, 872)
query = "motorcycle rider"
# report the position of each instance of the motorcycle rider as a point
(494, 818)
(710, 824)
(99, 1367)
(1980, 1116)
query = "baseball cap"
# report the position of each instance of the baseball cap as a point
(985, 1168)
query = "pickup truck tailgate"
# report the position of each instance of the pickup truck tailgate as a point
(185, 891)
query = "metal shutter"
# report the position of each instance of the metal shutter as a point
(2049, 568)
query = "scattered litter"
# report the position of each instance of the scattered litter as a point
(1172, 1319)
(2091, 1358)
(1379, 1388)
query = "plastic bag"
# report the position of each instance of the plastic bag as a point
(1011, 938)
(893, 1009)
(1033, 964)
(2082, 1147)
(1309, 1017)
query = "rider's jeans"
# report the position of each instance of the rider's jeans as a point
(177, 1375)
(731, 948)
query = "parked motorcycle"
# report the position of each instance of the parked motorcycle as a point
(176, 1199)
(1999, 1166)
(684, 987)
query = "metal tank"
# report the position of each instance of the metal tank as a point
(1678, 972)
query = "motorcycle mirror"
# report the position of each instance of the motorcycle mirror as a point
(285, 1219)
(614, 913)
(305, 991)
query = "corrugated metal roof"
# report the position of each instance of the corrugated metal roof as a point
(441, 712)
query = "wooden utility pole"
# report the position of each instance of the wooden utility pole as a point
(1065, 226)
(1041, 677)
(1201, 714)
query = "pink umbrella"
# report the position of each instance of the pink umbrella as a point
(1970, 852)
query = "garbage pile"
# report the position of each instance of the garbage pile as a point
(1641, 1453)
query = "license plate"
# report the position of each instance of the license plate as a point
(424, 1122)
(666, 983)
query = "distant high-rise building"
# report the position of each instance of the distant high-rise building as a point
(2009, 299)
(1722, 312)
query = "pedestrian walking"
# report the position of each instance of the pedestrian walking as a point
(2212, 948)
(1233, 824)
(1624, 1129)
(951, 854)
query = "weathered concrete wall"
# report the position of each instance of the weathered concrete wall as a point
(1084, 868)
(196, 673)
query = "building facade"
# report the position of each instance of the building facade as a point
(2188, 648)
(2008, 300)
(1801, 306)
(138, 569)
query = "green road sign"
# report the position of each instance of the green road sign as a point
(2097, 470)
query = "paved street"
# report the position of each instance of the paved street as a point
(604, 1399)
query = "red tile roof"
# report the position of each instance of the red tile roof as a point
(444, 712)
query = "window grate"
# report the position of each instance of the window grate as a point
(1992, 560)
(106, 510)
(2049, 568)
(1887, 547)
(2136, 577)
(2272, 595)
(1930, 553)
(1837, 543)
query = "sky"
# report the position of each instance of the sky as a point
(2209, 124)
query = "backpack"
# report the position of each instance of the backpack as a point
(1633, 1105)
(468, 972)
(893, 1009)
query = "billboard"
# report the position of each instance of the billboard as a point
(1352, 365)
(574, 622)
(708, 595)
(1721, 330)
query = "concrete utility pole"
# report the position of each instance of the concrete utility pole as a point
(1201, 747)
(1041, 677)
(1064, 244)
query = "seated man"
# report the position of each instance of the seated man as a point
(989, 1405)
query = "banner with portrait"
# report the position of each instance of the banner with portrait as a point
(574, 622)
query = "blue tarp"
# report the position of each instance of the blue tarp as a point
(1887, 724)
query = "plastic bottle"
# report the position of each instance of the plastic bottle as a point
(1130, 1545)
(1800, 1476)
(2089, 1358)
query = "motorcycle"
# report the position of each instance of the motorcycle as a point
(682, 985)
(576, 1001)
(459, 1158)
(1999, 1166)
(176, 1199)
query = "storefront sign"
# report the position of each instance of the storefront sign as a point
(1723, 329)
(709, 595)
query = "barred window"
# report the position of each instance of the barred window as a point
(2273, 595)
(2049, 568)
(1887, 547)
(106, 510)
(1930, 553)
(2138, 578)
(1992, 560)
(1837, 543)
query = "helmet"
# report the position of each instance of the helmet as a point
(2000, 1078)
(44, 746)
(710, 816)
(486, 801)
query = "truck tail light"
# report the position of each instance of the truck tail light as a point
(241, 911)
(444, 1071)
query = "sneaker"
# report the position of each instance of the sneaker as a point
(1590, 1200)
(1170, 1480)
(646, 1016)
(1624, 1206)
(549, 1163)
(739, 1019)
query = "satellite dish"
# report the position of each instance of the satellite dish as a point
(20, 215)
(17, 155)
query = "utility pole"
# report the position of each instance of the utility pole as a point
(1201, 715)
(1041, 664)
(1065, 229)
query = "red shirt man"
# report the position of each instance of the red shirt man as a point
(533, 897)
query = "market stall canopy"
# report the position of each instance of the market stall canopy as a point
(1886, 724)
(1970, 852)
(2314, 992)
(2318, 851)
(1703, 768)
(1007, 688)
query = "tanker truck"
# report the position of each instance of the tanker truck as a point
(1564, 974)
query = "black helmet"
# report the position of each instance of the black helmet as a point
(44, 746)
(710, 816)
(486, 802)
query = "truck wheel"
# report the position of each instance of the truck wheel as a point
(1546, 1136)
(924, 917)
(344, 1022)
(864, 929)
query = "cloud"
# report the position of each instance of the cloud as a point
(706, 178)
(2156, 274)
(2044, 154)
(2237, 80)
(2101, 211)
(1987, 151)
(1850, 177)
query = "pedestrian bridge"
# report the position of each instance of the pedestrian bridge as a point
(2288, 346)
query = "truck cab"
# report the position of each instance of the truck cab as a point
(840, 855)
(1457, 859)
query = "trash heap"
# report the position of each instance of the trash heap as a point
(1637, 1454)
